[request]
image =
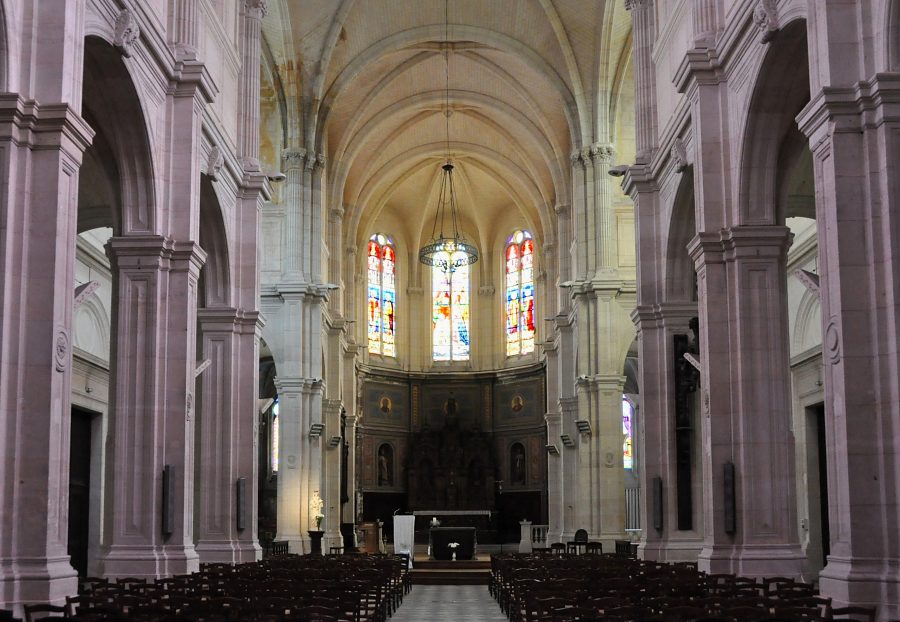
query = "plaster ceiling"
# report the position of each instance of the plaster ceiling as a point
(529, 82)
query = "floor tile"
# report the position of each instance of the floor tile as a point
(446, 603)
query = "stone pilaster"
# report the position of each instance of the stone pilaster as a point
(856, 202)
(746, 401)
(658, 324)
(555, 490)
(643, 15)
(42, 147)
(227, 439)
(350, 424)
(151, 425)
(252, 13)
(331, 476)
(705, 17)
(186, 28)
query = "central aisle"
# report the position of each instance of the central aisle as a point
(456, 603)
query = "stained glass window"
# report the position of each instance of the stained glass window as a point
(275, 436)
(519, 309)
(381, 264)
(450, 314)
(628, 432)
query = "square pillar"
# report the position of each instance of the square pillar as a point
(151, 423)
(746, 401)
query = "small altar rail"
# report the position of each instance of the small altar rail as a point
(532, 537)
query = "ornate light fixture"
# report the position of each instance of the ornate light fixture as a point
(447, 251)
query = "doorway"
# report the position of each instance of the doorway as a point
(817, 465)
(80, 489)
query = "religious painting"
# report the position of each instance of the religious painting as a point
(519, 402)
(386, 403)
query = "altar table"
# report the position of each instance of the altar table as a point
(440, 537)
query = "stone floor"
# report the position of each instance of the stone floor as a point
(457, 603)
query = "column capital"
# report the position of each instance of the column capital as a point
(700, 66)
(255, 9)
(664, 314)
(744, 241)
(45, 125)
(298, 385)
(191, 78)
(602, 152)
(632, 5)
(850, 109)
(134, 251)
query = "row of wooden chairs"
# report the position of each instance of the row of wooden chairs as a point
(357, 588)
(568, 588)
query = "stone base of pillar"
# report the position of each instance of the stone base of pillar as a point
(297, 544)
(36, 581)
(753, 561)
(228, 551)
(862, 582)
(683, 551)
(151, 562)
(332, 538)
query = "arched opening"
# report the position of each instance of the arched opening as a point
(269, 448)
(115, 196)
(777, 188)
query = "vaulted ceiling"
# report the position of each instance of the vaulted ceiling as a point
(363, 81)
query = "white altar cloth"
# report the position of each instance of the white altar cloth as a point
(404, 536)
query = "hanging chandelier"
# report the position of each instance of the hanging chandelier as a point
(447, 249)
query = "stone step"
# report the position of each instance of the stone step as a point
(421, 576)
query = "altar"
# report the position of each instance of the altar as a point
(440, 537)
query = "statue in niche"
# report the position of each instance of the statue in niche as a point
(385, 405)
(385, 465)
(517, 464)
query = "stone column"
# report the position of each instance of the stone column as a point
(227, 433)
(643, 15)
(601, 156)
(42, 147)
(252, 13)
(564, 255)
(856, 178)
(151, 426)
(293, 161)
(746, 401)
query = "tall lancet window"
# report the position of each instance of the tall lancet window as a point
(381, 263)
(519, 294)
(628, 433)
(450, 314)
